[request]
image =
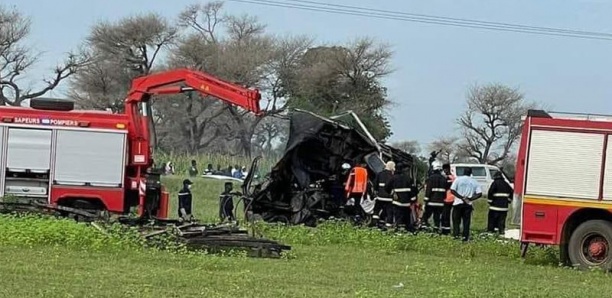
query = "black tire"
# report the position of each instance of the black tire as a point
(51, 104)
(589, 245)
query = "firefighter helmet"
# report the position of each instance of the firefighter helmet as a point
(436, 165)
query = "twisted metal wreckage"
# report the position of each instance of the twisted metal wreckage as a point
(306, 184)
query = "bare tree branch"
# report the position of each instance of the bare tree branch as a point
(16, 58)
(491, 125)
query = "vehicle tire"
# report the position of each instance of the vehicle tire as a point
(590, 244)
(51, 104)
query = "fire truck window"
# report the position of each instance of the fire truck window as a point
(89, 157)
(493, 172)
(29, 149)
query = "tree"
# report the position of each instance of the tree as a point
(246, 55)
(450, 150)
(492, 122)
(411, 147)
(123, 50)
(16, 58)
(332, 79)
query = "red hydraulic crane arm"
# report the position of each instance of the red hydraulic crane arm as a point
(183, 80)
(172, 82)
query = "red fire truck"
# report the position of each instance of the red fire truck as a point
(95, 160)
(564, 185)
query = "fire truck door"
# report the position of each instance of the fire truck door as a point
(28, 162)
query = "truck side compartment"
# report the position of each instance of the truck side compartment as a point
(564, 184)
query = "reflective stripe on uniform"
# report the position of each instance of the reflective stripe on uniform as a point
(183, 193)
(425, 199)
(414, 199)
(400, 204)
(497, 208)
(402, 189)
(375, 217)
(435, 204)
(445, 228)
(381, 184)
(438, 190)
(500, 194)
(384, 199)
(490, 201)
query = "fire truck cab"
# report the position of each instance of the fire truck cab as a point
(563, 185)
(70, 158)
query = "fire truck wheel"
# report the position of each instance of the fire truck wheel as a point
(590, 244)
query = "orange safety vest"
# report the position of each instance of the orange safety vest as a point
(449, 195)
(357, 181)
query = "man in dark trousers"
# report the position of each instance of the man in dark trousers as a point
(383, 207)
(499, 197)
(435, 193)
(448, 201)
(226, 203)
(184, 201)
(466, 190)
(404, 194)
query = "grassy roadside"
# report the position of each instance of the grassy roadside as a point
(44, 258)
(315, 271)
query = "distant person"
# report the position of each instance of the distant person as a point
(237, 173)
(383, 206)
(499, 197)
(226, 203)
(185, 201)
(435, 193)
(404, 193)
(229, 171)
(466, 190)
(193, 170)
(448, 201)
(169, 168)
(209, 169)
(356, 188)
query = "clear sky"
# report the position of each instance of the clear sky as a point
(434, 64)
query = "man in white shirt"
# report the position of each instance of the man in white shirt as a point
(466, 190)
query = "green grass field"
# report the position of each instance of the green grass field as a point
(42, 258)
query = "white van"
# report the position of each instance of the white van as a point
(481, 173)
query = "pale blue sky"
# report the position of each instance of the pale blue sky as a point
(435, 64)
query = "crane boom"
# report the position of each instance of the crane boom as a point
(176, 81)
(166, 83)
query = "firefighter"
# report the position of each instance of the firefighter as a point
(448, 201)
(466, 190)
(404, 196)
(499, 197)
(356, 188)
(435, 193)
(226, 203)
(383, 208)
(184, 201)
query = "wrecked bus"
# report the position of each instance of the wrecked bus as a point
(306, 184)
